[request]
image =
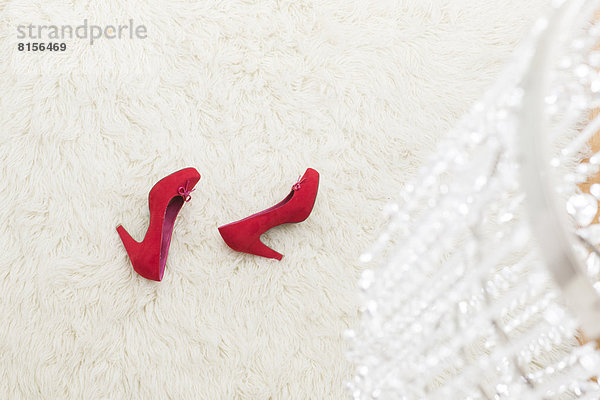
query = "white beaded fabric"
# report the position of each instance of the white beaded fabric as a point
(458, 301)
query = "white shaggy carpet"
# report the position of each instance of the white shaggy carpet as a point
(251, 94)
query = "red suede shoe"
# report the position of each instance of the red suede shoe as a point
(165, 200)
(244, 235)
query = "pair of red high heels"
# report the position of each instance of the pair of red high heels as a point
(168, 195)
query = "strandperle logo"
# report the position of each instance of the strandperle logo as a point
(84, 31)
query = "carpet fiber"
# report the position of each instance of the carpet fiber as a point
(251, 95)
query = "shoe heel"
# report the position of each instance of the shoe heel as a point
(260, 249)
(247, 244)
(129, 243)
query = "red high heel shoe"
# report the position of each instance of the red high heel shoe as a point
(165, 200)
(244, 235)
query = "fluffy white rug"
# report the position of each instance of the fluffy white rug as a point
(250, 93)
